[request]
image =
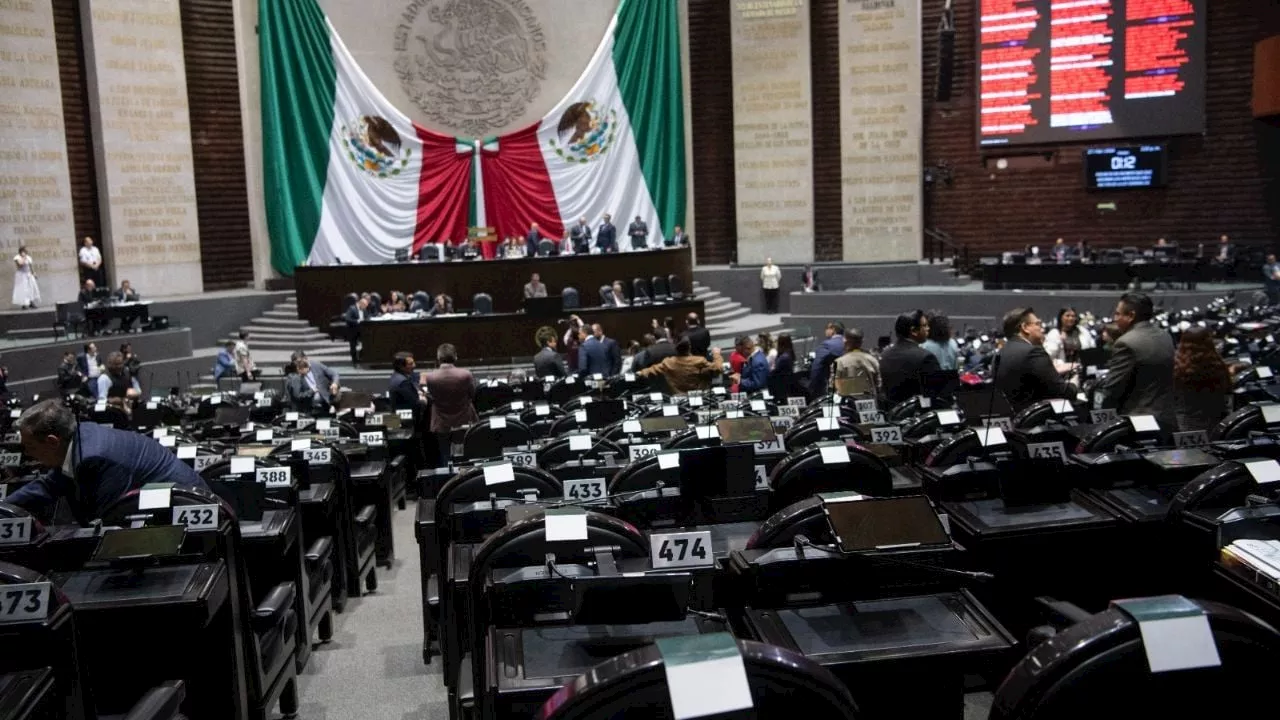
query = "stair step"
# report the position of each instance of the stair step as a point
(291, 345)
(718, 303)
(722, 317)
(280, 330)
(281, 315)
(293, 321)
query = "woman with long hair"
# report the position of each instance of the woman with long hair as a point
(765, 341)
(940, 343)
(1064, 342)
(1201, 381)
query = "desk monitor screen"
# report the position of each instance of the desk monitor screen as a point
(354, 400)
(549, 306)
(257, 451)
(236, 416)
(1095, 356)
(978, 404)
(604, 412)
(249, 388)
(246, 498)
(870, 524)
(717, 471)
(615, 600)
(746, 430)
(655, 425)
(159, 541)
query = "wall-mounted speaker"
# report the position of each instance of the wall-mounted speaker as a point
(946, 55)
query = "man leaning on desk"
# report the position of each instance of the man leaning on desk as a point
(91, 465)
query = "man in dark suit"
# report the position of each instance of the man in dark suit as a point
(825, 357)
(355, 315)
(599, 354)
(1025, 373)
(699, 337)
(311, 386)
(531, 241)
(93, 465)
(1139, 377)
(403, 390)
(639, 233)
(676, 239)
(580, 237)
(607, 236)
(548, 362)
(902, 363)
(451, 390)
(126, 293)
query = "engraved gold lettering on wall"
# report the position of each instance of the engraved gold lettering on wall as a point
(880, 106)
(145, 144)
(35, 194)
(773, 152)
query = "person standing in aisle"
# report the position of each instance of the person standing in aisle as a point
(770, 280)
(26, 293)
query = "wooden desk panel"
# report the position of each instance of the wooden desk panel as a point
(501, 337)
(320, 289)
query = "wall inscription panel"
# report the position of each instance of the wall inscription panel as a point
(142, 137)
(772, 130)
(35, 195)
(880, 129)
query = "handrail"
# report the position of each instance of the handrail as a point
(939, 246)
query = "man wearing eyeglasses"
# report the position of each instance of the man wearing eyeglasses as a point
(1026, 374)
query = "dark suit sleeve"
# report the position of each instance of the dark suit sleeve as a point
(929, 363)
(1041, 368)
(39, 496)
(1120, 369)
(582, 358)
(615, 358)
(562, 368)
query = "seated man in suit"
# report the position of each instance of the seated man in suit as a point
(126, 293)
(676, 239)
(599, 354)
(1025, 374)
(86, 295)
(618, 296)
(93, 465)
(310, 388)
(902, 363)
(548, 362)
(535, 288)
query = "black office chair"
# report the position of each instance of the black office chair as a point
(375, 304)
(483, 440)
(807, 517)
(557, 451)
(783, 684)
(803, 473)
(690, 438)
(1119, 431)
(643, 474)
(675, 286)
(640, 291)
(566, 389)
(806, 433)
(546, 248)
(606, 295)
(1098, 668)
(482, 304)
(660, 289)
(421, 302)
(69, 316)
(469, 486)
(569, 298)
(429, 253)
(1239, 424)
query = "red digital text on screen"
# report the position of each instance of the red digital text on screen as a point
(1081, 63)
(1007, 68)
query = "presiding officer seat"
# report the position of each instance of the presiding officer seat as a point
(1099, 668)
(783, 684)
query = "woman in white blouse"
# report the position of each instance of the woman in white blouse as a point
(26, 293)
(1064, 342)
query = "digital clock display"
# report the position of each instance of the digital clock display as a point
(1122, 168)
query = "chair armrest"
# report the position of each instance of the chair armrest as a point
(160, 703)
(396, 463)
(271, 611)
(319, 551)
(366, 515)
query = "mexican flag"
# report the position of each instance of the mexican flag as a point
(351, 178)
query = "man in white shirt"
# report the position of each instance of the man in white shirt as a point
(91, 262)
(770, 279)
(90, 367)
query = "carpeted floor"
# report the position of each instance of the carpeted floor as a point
(373, 668)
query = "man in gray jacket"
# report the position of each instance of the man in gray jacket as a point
(1139, 377)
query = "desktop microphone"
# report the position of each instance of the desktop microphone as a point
(991, 400)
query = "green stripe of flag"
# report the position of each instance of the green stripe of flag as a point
(646, 54)
(298, 86)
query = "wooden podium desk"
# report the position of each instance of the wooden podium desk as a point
(320, 289)
(503, 336)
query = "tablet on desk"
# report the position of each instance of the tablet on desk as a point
(883, 523)
(130, 543)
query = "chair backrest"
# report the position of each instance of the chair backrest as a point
(569, 296)
(375, 301)
(675, 286)
(546, 247)
(469, 486)
(349, 300)
(482, 303)
(557, 451)
(606, 295)
(430, 252)
(807, 517)
(660, 289)
(640, 289)
(483, 440)
(804, 473)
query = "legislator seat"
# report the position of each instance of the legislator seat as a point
(546, 248)
(640, 291)
(488, 438)
(482, 304)
(675, 286)
(661, 291)
(569, 298)
(806, 472)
